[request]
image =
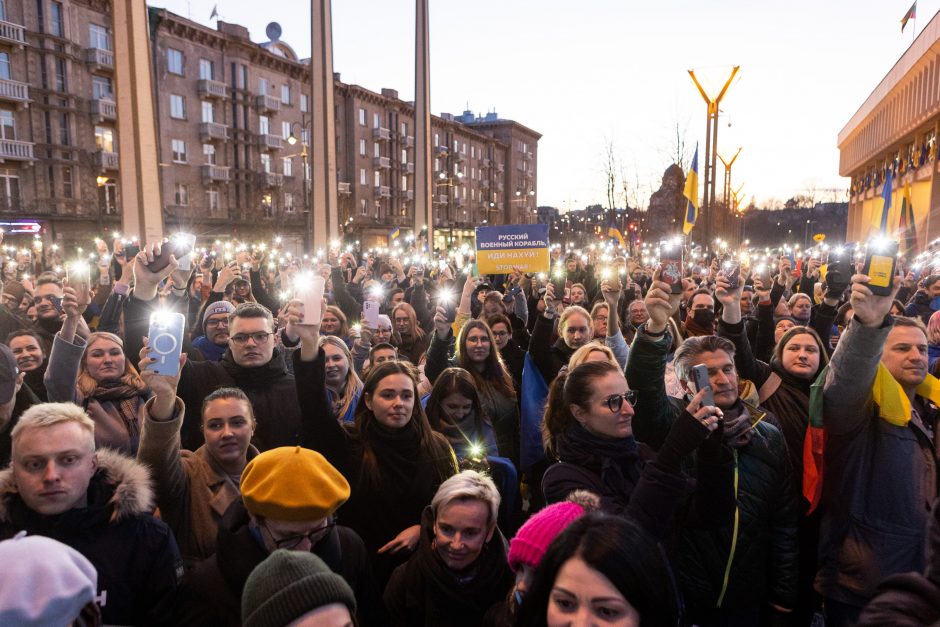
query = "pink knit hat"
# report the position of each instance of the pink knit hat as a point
(534, 537)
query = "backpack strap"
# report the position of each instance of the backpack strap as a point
(770, 386)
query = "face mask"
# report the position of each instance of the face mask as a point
(704, 318)
(801, 318)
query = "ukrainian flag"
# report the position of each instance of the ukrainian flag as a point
(691, 194)
(614, 232)
(394, 234)
(886, 194)
(907, 229)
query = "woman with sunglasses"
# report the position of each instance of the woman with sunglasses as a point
(588, 430)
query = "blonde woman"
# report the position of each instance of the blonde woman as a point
(592, 352)
(343, 385)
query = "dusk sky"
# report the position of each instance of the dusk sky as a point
(597, 71)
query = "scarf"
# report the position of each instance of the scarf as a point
(615, 461)
(894, 407)
(122, 402)
(257, 377)
(698, 325)
(397, 453)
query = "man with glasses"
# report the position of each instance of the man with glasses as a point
(289, 496)
(254, 363)
(214, 339)
(744, 571)
(47, 300)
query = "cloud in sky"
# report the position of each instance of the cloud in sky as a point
(586, 73)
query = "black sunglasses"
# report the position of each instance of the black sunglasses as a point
(615, 402)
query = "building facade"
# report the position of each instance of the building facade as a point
(232, 124)
(896, 130)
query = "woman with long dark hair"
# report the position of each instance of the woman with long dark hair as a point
(602, 570)
(391, 457)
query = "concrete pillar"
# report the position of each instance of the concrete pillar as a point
(323, 127)
(141, 205)
(424, 206)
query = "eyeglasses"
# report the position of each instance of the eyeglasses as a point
(482, 339)
(242, 338)
(217, 323)
(291, 542)
(615, 402)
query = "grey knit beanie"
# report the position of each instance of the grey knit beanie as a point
(289, 584)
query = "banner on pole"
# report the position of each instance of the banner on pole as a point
(501, 248)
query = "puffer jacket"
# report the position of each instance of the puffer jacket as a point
(760, 543)
(762, 548)
(136, 557)
(880, 479)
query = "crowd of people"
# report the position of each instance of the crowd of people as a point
(749, 441)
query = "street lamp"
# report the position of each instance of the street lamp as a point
(292, 140)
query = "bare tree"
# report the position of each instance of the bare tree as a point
(681, 155)
(610, 173)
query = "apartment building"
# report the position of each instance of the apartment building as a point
(233, 120)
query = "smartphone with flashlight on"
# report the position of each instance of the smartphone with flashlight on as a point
(701, 382)
(446, 300)
(881, 264)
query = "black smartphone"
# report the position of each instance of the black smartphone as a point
(131, 250)
(162, 260)
(881, 264)
(701, 382)
(732, 273)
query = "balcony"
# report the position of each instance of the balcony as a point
(99, 59)
(213, 130)
(441, 199)
(440, 151)
(460, 156)
(11, 33)
(484, 183)
(268, 103)
(215, 173)
(106, 160)
(14, 91)
(500, 168)
(529, 155)
(270, 179)
(409, 168)
(266, 141)
(406, 194)
(408, 141)
(382, 134)
(343, 188)
(13, 150)
(382, 163)
(212, 89)
(382, 191)
(104, 109)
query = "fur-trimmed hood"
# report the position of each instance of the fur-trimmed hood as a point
(125, 487)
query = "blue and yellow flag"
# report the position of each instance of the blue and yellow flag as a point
(691, 194)
(394, 234)
(886, 194)
(614, 232)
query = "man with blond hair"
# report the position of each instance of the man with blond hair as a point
(97, 502)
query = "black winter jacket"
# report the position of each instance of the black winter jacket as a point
(211, 594)
(136, 557)
(547, 356)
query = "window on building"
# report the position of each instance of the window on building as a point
(376, 149)
(404, 183)
(181, 195)
(177, 107)
(179, 151)
(208, 151)
(267, 205)
(288, 202)
(61, 73)
(362, 116)
(263, 86)
(285, 129)
(56, 19)
(101, 88)
(68, 190)
(362, 207)
(303, 102)
(266, 163)
(288, 166)
(377, 177)
(174, 61)
(437, 140)
(65, 128)
(207, 69)
(107, 197)
(3, 11)
(5, 72)
(285, 94)
(404, 129)
(437, 165)
(242, 76)
(404, 155)
(104, 138)
(264, 124)
(212, 199)
(376, 120)
(362, 176)
(9, 189)
(362, 147)
(208, 111)
(99, 37)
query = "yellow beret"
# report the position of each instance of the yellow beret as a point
(292, 484)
